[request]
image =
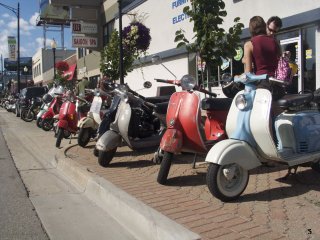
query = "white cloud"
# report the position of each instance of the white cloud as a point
(6, 15)
(9, 25)
(33, 19)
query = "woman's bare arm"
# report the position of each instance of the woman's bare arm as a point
(248, 49)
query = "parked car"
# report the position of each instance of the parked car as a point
(25, 96)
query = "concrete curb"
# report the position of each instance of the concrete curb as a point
(141, 220)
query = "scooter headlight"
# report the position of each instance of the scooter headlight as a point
(241, 102)
(188, 82)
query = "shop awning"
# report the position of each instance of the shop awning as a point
(70, 72)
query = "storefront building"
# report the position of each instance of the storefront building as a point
(300, 33)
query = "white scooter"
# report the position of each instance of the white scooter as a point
(252, 142)
(88, 125)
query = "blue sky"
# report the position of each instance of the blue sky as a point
(31, 36)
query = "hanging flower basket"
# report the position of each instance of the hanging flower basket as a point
(62, 66)
(136, 37)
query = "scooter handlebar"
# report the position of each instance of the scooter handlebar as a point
(207, 92)
(150, 104)
(174, 82)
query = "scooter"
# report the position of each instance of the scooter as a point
(53, 109)
(252, 142)
(88, 125)
(48, 100)
(68, 117)
(138, 122)
(187, 131)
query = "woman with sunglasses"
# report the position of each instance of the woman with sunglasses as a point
(261, 54)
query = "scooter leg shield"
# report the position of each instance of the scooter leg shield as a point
(171, 141)
(62, 124)
(86, 122)
(233, 151)
(109, 140)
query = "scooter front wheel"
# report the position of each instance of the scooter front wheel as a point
(47, 124)
(27, 115)
(39, 122)
(227, 182)
(105, 157)
(164, 168)
(60, 134)
(84, 136)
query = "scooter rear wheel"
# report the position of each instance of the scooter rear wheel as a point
(59, 137)
(105, 157)
(164, 168)
(227, 182)
(84, 136)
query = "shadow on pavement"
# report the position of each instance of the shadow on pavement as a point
(131, 164)
(300, 183)
(192, 180)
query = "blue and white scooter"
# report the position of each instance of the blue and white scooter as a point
(252, 142)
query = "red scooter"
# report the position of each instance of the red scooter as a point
(53, 109)
(68, 117)
(187, 131)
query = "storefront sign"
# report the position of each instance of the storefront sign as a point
(12, 48)
(239, 54)
(84, 42)
(85, 28)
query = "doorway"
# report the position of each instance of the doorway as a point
(293, 45)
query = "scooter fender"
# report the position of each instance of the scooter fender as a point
(47, 115)
(171, 141)
(62, 124)
(233, 151)
(86, 122)
(109, 140)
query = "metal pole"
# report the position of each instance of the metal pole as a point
(54, 63)
(2, 79)
(18, 67)
(120, 43)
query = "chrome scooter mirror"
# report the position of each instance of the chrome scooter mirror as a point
(147, 84)
(226, 78)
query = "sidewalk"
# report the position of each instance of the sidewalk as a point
(270, 207)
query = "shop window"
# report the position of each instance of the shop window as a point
(107, 31)
(309, 58)
(211, 77)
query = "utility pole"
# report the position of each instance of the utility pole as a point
(2, 80)
(120, 43)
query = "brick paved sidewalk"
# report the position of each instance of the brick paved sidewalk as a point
(270, 207)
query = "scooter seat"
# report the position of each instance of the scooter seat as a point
(158, 99)
(161, 108)
(216, 103)
(294, 100)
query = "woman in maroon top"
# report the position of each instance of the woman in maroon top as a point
(261, 54)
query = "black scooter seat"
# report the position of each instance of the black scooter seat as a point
(216, 103)
(161, 108)
(294, 100)
(158, 99)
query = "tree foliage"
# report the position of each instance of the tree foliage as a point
(211, 41)
(136, 41)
